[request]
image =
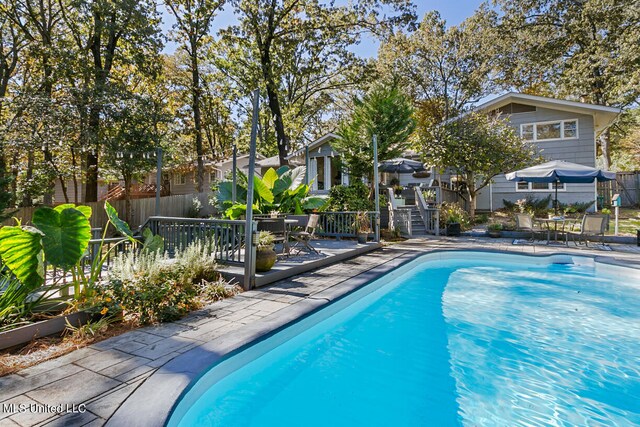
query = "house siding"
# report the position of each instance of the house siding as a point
(580, 150)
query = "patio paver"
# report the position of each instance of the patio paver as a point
(104, 375)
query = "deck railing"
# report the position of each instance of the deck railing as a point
(430, 215)
(342, 224)
(226, 237)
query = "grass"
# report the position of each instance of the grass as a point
(628, 221)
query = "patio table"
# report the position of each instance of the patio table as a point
(559, 222)
(289, 223)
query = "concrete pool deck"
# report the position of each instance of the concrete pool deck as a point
(127, 380)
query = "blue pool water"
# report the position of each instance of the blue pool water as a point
(450, 339)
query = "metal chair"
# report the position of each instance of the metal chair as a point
(303, 238)
(525, 222)
(592, 225)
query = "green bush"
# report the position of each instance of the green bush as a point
(574, 208)
(530, 205)
(354, 197)
(153, 288)
(453, 212)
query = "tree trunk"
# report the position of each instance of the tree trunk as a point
(63, 185)
(605, 147)
(197, 116)
(91, 173)
(274, 106)
(26, 197)
(472, 205)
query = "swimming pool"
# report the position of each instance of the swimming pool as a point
(458, 338)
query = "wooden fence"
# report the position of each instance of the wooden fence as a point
(173, 206)
(627, 184)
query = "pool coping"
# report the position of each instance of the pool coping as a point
(152, 403)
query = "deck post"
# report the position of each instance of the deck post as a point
(376, 190)
(249, 244)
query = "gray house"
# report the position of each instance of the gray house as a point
(562, 130)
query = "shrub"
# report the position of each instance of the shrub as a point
(574, 208)
(530, 205)
(354, 197)
(453, 212)
(153, 288)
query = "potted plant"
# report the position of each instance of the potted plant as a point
(362, 226)
(265, 255)
(453, 224)
(494, 229)
(397, 191)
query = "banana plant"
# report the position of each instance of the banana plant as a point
(281, 190)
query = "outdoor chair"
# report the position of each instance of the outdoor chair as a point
(591, 226)
(278, 228)
(303, 238)
(525, 222)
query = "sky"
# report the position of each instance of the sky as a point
(453, 11)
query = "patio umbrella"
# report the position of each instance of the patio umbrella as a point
(400, 165)
(559, 171)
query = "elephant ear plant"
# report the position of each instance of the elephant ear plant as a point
(281, 190)
(59, 237)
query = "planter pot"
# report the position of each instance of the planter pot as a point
(362, 237)
(265, 258)
(27, 333)
(453, 229)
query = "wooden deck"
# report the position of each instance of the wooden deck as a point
(331, 252)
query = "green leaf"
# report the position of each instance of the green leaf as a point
(152, 242)
(86, 210)
(270, 177)
(313, 203)
(238, 210)
(21, 252)
(66, 235)
(120, 225)
(262, 191)
(282, 170)
(297, 177)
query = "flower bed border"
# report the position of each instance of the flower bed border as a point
(27, 333)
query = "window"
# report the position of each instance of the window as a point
(563, 129)
(539, 186)
(320, 178)
(180, 179)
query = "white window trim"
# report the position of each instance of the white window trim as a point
(562, 137)
(547, 190)
(180, 179)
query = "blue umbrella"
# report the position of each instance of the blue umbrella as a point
(558, 171)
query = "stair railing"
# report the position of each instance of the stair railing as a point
(430, 216)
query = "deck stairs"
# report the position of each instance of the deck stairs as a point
(417, 223)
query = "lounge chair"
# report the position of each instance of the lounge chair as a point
(525, 222)
(592, 225)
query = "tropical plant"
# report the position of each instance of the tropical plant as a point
(283, 190)
(60, 237)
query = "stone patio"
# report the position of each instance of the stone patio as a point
(104, 375)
